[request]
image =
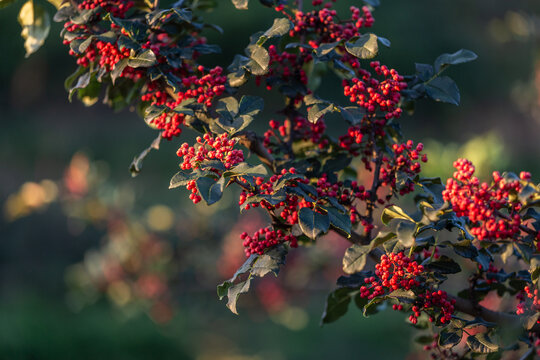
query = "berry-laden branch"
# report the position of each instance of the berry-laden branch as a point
(147, 58)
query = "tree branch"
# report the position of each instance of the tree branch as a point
(251, 141)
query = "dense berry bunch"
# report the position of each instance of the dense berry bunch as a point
(288, 209)
(208, 148)
(396, 271)
(374, 95)
(406, 162)
(482, 203)
(117, 8)
(203, 89)
(266, 238)
(326, 25)
(104, 46)
(300, 127)
(529, 301)
(393, 272)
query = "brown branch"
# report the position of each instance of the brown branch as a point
(251, 141)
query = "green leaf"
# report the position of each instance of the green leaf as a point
(273, 199)
(269, 262)
(182, 15)
(465, 249)
(355, 258)
(118, 69)
(372, 307)
(459, 57)
(450, 337)
(337, 305)
(339, 220)
(35, 24)
(136, 165)
(480, 343)
(525, 251)
(352, 114)
(235, 117)
(255, 265)
(246, 169)
(82, 82)
(234, 292)
(404, 230)
(424, 71)
(317, 111)
(210, 190)
(68, 83)
(535, 269)
(280, 27)
(326, 48)
(145, 58)
(4, 3)
(313, 223)
(259, 60)
(181, 178)
(443, 89)
(153, 111)
(532, 320)
(406, 296)
(443, 265)
(250, 105)
(366, 47)
(241, 4)
(381, 238)
(394, 212)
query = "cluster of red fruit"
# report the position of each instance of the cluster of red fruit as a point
(300, 127)
(117, 8)
(396, 271)
(326, 25)
(532, 306)
(265, 238)
(107, 54)
(203, 88)
(219, 148)
(405, 161)
(197, 82)
(374, 95)
(481, 203)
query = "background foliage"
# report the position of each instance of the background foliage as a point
(499, 112)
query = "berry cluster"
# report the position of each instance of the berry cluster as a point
(291, 205)
(481, 203)
(265, 238)
(374, 95)
(404, 161)
(393, 272)
(396, 271)
(529, 301)
(194, 82)
(326, 25)
(285, 68)
(219, 148)
(117, 8)
(300, 127)
(203, 89)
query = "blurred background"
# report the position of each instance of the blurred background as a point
(96, 264)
